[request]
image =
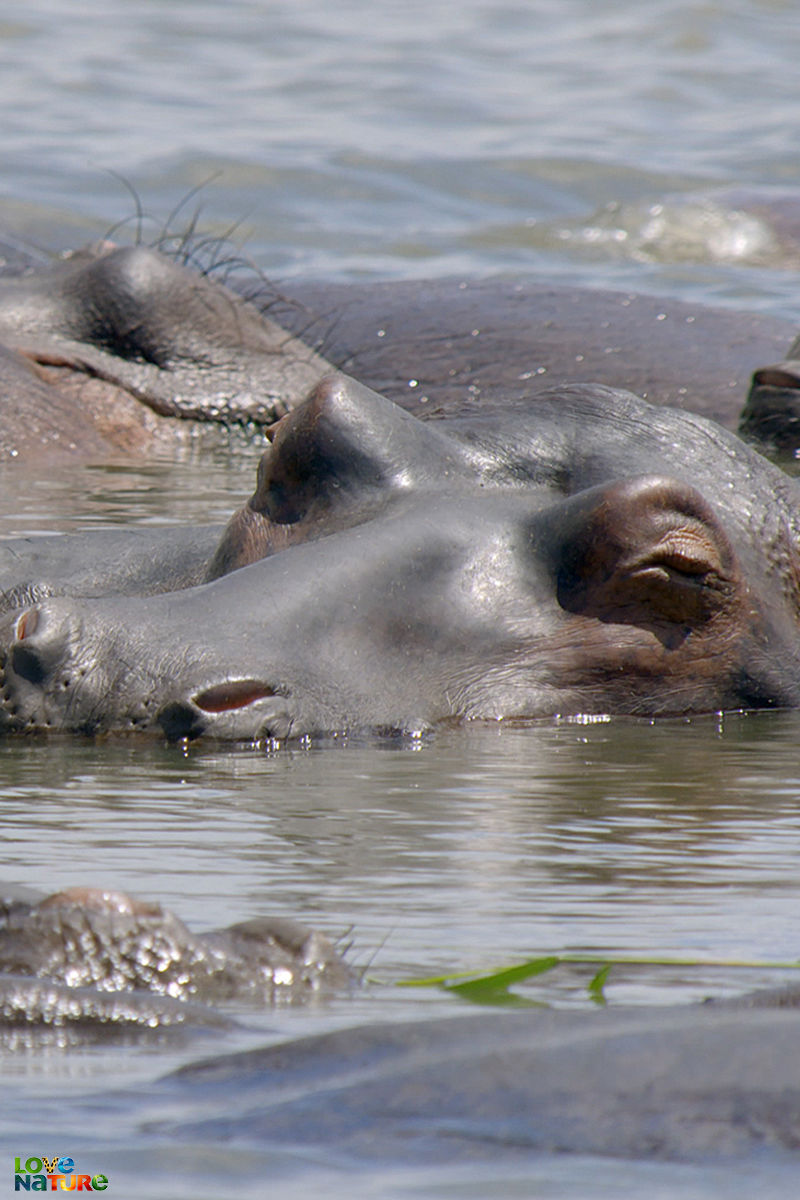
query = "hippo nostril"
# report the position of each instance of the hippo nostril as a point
(27, 664)
(180, 720)
(27, 624)
(185, 719)
(237, 693)
(43, 646)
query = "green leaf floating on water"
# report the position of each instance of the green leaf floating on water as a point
(494, 988)
(598, 982)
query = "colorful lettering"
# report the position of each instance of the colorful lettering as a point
(33, 1180)
(48, 1165)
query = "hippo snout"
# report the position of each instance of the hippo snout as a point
(38, 665)
(54, 675)
(66, 667)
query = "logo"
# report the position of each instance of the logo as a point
(53, 1174)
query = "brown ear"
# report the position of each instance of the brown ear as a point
(343, 444)
(319, 449)
(646, 551)
(782, 375)
(771, 414)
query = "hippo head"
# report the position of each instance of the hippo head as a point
(120, 347)
(535, 572)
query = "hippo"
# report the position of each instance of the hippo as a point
(699, 1083)
(123, 351)
(602, 556)
(693, 1084)
(453, 347)
(711, 1082)
(88, 959)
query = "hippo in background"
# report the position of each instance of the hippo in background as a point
(451, 347)
(705, 1084)
(700, 1083)
(89, 960)
(770, 418)
(122, 350)
(603, 556)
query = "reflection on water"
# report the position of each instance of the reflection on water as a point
(482, 846)
(476, 848)
(197, 485)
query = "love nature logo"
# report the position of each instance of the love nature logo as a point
(42, 1174)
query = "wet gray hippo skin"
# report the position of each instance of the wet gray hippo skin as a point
(119, 349)
(90, 957)
(346, 453)
(102, 562)
(456, 347)
(693, 1084)
(606, 556)
(115, 349)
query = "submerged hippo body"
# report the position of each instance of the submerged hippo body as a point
(606, 556)
(454, 347)
(691, 1084)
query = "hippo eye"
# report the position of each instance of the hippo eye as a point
(27, 624)
(685, 564)
(237, 693)
(688, 552)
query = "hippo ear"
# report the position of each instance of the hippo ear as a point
(334, 461)
(645, 551)
(345, 444)
(771, 415)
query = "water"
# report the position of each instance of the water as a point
(417, 140)
(644, 146)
